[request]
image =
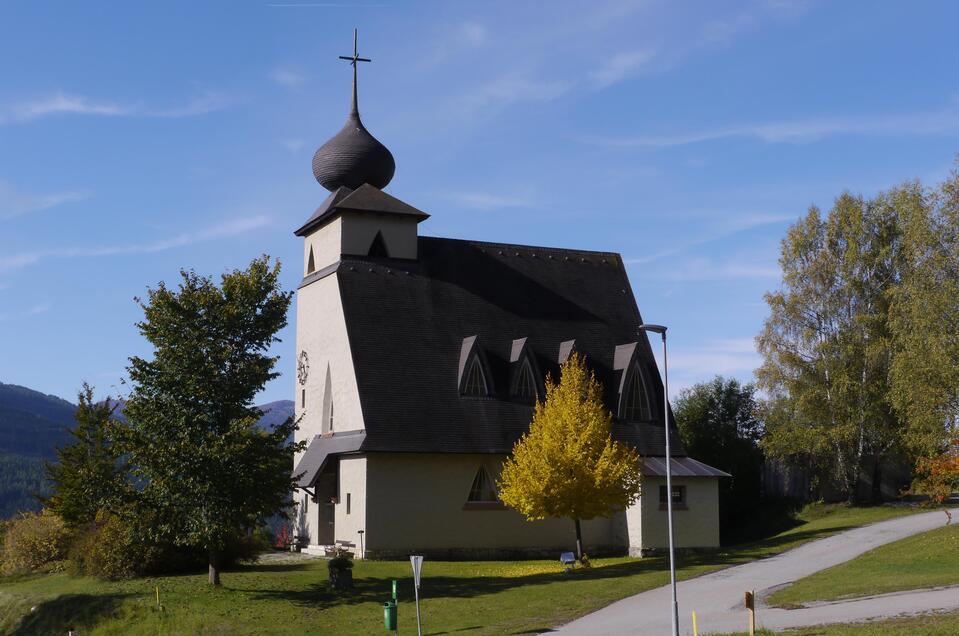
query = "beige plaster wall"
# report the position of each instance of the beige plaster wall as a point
(695, 527)
(352, 485)
(326, 243)
(415, 502)
(359, 230)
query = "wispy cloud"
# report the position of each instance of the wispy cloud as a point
(799, 131)
(508, 89)
(619, 67)
(35, 310)
(15, 203)
(293, 145)
(700, 270)
(64, 104)
(222, 230)
(731, 225)
(485, 201)
(288, 78)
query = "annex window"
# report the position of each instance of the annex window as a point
(679, 497)
(636, 408)
(526, 383)
(475, 384)
(482, 490)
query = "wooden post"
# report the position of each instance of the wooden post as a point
(751, 607)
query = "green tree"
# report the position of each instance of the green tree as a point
(89, 474)
(568, 465)
(826, 344)
(719, 425)
(207, 471)
(924, 316)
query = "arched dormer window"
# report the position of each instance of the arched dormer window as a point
(474, 385)
(378, 247)
(636, 406)
(482, 490)
(526, 383)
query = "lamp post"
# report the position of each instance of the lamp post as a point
(661, 330)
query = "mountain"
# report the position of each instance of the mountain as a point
(33, 425)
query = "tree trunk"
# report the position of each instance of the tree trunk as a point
(214, 567)
(579, 540)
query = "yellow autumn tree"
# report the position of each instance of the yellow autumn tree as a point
(568, 465)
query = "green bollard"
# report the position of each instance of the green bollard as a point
(389, 615)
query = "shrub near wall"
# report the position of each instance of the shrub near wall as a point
(34, 541)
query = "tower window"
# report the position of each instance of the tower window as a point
(482, 490)
(378, 247)
(331, 416)
(526, 383)
(636, 408)
(303, 398)
(310, 264)
(475, 385)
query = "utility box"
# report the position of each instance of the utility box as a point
(389, 615)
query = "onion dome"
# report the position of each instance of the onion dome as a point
(353, 156)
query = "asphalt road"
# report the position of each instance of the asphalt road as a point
(717, 598)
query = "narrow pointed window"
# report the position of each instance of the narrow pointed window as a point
(310, 264)
(526, 383)
(378, 246)
(636, 408)
(483, 490)
(475, 384)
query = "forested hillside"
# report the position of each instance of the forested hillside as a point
(33, 424)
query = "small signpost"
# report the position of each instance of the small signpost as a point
(751, 607)
(417, 563)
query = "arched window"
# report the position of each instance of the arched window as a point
(636, 407)
(526, 382)
(475, 384)
(483, 490)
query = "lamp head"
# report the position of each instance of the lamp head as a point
(661, 329)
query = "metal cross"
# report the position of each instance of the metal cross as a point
(353, 60)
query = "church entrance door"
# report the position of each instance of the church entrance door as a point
(325, 525)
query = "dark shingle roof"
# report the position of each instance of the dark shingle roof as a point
(407, 321)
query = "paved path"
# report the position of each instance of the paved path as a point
(718, 597)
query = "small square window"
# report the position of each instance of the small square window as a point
(679, 497)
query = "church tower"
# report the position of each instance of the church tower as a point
(356, 220)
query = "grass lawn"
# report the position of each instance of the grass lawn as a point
(927, 625)
(924, 560)
(292, 598)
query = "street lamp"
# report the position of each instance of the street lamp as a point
(660, 329)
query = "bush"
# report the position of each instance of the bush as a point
(109, 548)
(34, 541)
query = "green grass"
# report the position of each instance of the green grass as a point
(946, 624)
(463, 597)
(925, 560)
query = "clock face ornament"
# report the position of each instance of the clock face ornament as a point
(302, 367)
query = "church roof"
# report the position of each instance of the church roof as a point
(365, 198)
(407, 323)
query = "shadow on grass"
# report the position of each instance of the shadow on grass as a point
(71, 611)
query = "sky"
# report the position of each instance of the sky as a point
(137, 139)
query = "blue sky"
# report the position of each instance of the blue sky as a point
(136, 139)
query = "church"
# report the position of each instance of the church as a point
(419, 360)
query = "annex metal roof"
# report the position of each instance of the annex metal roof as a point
(680, 467)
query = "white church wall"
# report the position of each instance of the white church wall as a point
(350, 509)
(326, 244)
(415, 502)
(399, 234)
(695, 526)
(321, 332)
